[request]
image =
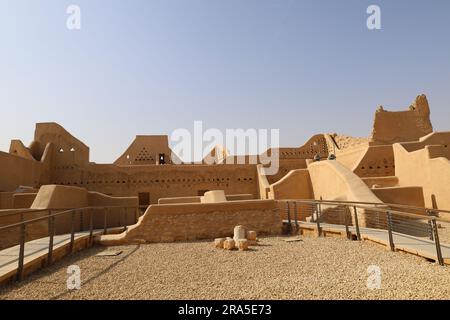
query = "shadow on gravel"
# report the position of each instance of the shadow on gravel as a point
(111, 266)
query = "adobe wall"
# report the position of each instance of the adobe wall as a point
(412, 196)
(160, 181)
(332, 181)
(295, 185)
(441, 139)
(285, 166)
(10, 237)
(146, 150)
(16, 171)
(23, 200)
(382, 182)
(186, 222)
(63, 197)
(377, 161)
(391, 127)
(417, 168)
(196, 199)
(67, 150)
(6, 200)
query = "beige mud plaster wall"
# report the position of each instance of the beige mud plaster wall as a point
(382, 182)
(263, 183)
(16, 171)
(390, 127)
(181, 222)
(229, 197)
(377, 161)
(63, 197)
(6, 200)
(146, 150)
(434, 139)
(23, 200)
(67, 150)
(352, 156)
(295, 185)
(412, 196)
(17, 148)
(284, 167)
(332, 181)
(418, 169)
(161, 181)
(10, 237)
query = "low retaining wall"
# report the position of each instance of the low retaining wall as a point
(186, 222)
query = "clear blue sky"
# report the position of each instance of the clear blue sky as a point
(151, 66)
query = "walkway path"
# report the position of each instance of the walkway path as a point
(403, 242)
(36, 253)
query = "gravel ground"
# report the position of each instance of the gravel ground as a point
(314, 268)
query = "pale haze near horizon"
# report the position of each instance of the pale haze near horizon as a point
(150, 67)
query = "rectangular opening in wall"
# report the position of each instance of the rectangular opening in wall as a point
(201, 192)
(144, 199)
(162, 158)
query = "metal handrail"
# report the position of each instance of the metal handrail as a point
(51, 229)
(366, 205)
(18, 224)
(404, 206)
(316, 211)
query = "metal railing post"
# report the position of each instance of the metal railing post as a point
(51, 234)
(358, 233)
(91, 227)
(81, 220)
(105, 227)
(390, 227)
(430, 226)
(72, 231)
(288, 211)
(347, 231)
(296, 216)
(19, 275)
(437, 242)
(125, 218)
(318, 214)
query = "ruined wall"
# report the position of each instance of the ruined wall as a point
(390, 127)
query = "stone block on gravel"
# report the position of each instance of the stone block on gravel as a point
(242, 244)
(251, 235)
(218, 243)
(229, 244)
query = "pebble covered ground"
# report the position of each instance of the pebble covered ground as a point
(313, 268)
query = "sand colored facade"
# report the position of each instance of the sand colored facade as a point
(403, 161)
(186, 222)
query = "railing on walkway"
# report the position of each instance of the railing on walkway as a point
(408, 220)
(79, 219)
